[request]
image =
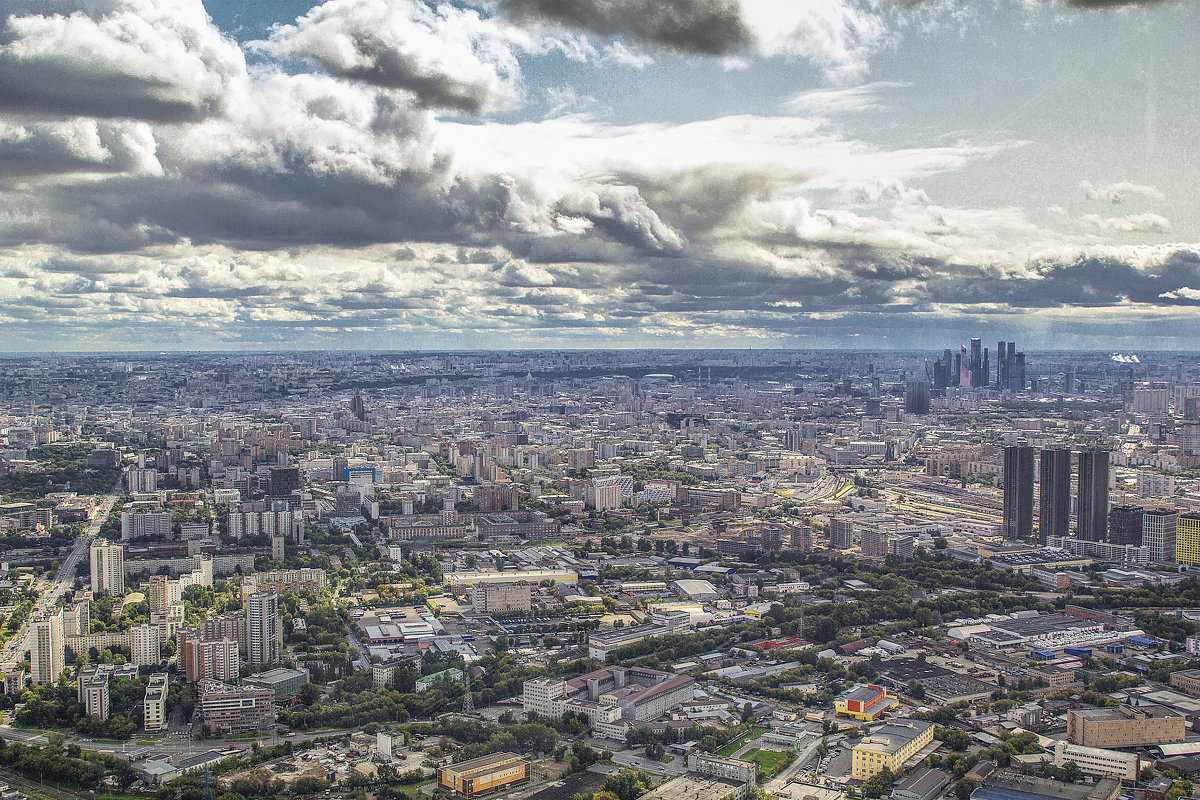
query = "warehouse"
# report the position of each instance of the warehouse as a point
(484, 775)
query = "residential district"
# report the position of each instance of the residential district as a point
(666, 575)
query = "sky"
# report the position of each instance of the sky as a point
(400, 174)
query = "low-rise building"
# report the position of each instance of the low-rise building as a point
(889, 747)
(864, 702)
(283, 682)
(1098, 762)
(1122, 726)
(236, 709)
(730, 769)
(452, 675)
(484, 775)
(1187, 681)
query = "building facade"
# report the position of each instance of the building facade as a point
(264, 630)
(108, 568)
(484, 775)
(1122, 726)
(1017, 516)
(236, 709)
(1093, 496)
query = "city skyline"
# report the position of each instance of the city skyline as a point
(514, 174)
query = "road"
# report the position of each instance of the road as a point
(185, 746)
(791, 770)
(14, 650)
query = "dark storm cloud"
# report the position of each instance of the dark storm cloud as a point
(693, 27)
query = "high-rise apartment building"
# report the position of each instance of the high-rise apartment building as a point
(147, 646)
(77, 617)
(158, 593)
(1125, 525)
(108, 568)
(208, 658)
(154, 703)
(1093, 496)
(1187, 539)
(46, 650)
(1017, 520)
(264, 630)
(1054, 497)
(1159, 531)
(841, 534)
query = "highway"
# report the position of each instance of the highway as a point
(16, 647)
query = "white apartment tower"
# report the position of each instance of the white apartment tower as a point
(264, 630)
(147, 645)
(46, 650)
(108, 568)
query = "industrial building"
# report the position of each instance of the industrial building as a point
(610, 695)
(864, 702)
(484, 775)
(1123, 726)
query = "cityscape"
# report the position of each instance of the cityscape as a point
(599, 400)
(556, 573)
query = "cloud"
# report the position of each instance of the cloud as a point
(1117, 193)
(140, 59)
(1182, 293)
(835, 35)
(824, 102)
(448, 57)
(892, 193)
(1094, 4)
(78, 145)
(690, 27)
(1134, 223)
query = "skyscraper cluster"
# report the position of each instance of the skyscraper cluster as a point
(1055, 494)
(972, 367)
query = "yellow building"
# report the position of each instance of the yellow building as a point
(864, 702)
(1187, 539)
(890, 746)
(484, 775)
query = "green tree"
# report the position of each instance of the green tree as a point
(629, 784)
(878, 784)
(963, 789)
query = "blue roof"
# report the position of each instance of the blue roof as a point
(996, 793)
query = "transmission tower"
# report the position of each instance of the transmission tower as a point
(468, 703)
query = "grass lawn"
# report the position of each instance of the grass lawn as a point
(733, 746)
(770, 762)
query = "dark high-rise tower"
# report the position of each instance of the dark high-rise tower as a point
(1054, 497)
(1018, 493)
(916, 397)
(976, 363)
(1125, 525)
(1001, 366)
(1093, 496)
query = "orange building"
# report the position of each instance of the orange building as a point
(484, 775)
